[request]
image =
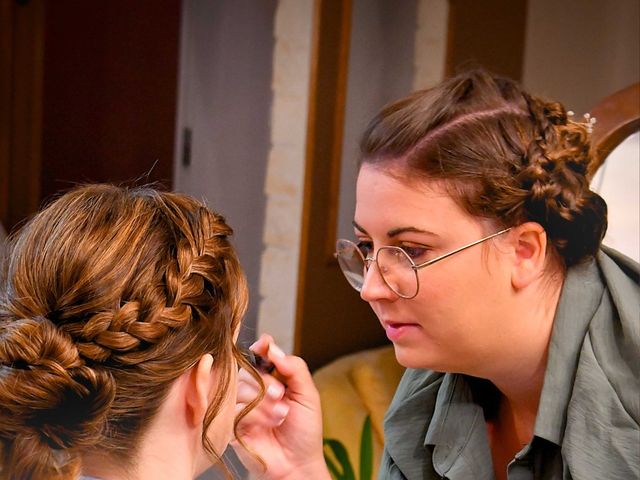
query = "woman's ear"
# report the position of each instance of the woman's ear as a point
(201, 380)
(530, 241)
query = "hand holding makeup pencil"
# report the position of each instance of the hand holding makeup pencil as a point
(285, 429)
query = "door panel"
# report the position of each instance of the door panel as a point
(331, 319)
(87, 94)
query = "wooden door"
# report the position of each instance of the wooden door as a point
(87, 94)
(21, 56)
(331, 319)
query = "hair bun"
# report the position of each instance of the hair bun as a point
(46, 389)
(560, 198)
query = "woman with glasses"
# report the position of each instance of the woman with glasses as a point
(477, 245)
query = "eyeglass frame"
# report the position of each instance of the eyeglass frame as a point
(367, 261)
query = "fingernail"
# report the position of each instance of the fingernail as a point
(281, 410)
(274, 392)
(276, 350)
(254, 344)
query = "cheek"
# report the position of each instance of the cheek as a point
(448, 302)
(468, 302)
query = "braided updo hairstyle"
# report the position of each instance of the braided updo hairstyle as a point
(503, 155)
(109, 295)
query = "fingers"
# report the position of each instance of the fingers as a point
(261, 346)
(292, 370)
(272, 409)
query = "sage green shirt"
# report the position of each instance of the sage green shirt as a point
(587, 425)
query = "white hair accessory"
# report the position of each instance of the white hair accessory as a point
(588, 123)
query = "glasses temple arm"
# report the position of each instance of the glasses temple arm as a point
(464, 247)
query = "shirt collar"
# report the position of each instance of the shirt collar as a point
(458, 427)
(458, 432)
(407, 421)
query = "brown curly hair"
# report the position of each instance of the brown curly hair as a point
(109, 295)
(502, 153)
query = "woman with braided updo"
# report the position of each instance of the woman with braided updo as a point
(119, 313)
(478, 248)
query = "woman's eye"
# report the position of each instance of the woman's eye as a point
(365, 247)
(415, 253)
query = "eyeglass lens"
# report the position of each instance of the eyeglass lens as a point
(394, 266)
(351, 263)
(397, 271)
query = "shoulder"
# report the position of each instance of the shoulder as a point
(622, 278)
(614, 334)
(603, 415)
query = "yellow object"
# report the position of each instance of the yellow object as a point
(353, 387)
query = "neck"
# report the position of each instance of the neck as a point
(519, 373)
(165, 452)
(153, 461)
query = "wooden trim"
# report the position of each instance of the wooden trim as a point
(26, 111)
(327, 97)
(335, 160)
(6, 86)
(331, 319)
(487, 33)
(617, 116)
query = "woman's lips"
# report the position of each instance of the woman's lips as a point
(396, 330)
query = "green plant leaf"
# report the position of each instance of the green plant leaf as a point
(340, 453)
(333, 469)
(366, 450)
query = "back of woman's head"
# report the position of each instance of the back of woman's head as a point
(110, 295)
(502, 153)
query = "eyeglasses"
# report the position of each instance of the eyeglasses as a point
(397, 269)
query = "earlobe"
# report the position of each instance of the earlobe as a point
(530, 241)
(201, 379)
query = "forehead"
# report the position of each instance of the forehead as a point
(385, 201)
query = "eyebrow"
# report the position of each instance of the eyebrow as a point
(395, 231)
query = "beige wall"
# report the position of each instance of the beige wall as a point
(381, 69)
(578, 51)
(285, 171)
(225, 99)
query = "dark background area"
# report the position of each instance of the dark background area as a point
(88, 94)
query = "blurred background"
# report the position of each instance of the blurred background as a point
(256, 106)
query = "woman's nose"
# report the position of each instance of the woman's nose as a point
(374, 288)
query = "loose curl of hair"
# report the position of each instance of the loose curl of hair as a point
(502, 153)
(109, 295)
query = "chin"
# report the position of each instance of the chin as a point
(410, 358)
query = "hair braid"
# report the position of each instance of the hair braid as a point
(120, 334)
(503, 154)
(151, 286)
